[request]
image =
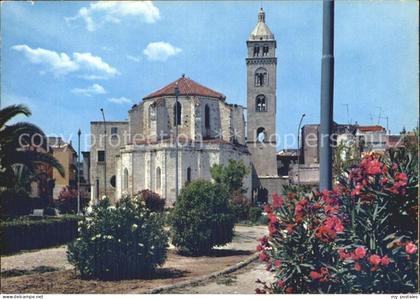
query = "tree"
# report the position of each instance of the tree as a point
(345, 155)
(202, 218)
(231, 175)
(23, 144)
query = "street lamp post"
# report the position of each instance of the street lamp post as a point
(298, 144)
(78, 171)
(327, 96)
(176, 141)
(105, 155)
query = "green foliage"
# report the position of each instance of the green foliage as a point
(18, 167)
(255, 214)
(202, 218)
(67, 201)
(410, 140)
(240, 206)
(15, 203)
(230, 175)
(345, 155)
(359, 238)
(125, 241)
(152, 200)
(26, 233)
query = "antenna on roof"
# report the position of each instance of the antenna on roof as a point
(380, 114)
(348, 116)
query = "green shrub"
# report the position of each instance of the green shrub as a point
(230, 175)
(152, 200)
(125, 241)
(240, 206)
(67, 201)
(50, 211)
(167, 214)
(14, 203)
(255, 214)
(202, 218)
(26, 233)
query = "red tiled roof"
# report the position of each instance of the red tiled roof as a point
(186, 86)
(371, 128)
(395, 141)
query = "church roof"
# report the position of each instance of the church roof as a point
(188, 87)
(261, 31)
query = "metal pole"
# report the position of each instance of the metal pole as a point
(298, 144)
(327, 94)
(78, 172)
(97, 190)
(105, 155)
(176, 141)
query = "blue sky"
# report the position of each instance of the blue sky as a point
(66, 59)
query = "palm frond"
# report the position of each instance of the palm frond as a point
(11, 111)
(27, 158)
(22, 132)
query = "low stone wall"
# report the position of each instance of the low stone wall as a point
(308, 174)
(273, 185)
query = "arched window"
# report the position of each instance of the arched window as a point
(207, 117)
(177, 113)
(260, 135)
(158, 179)
(125, 179)
(112, 181)
(188, 174)
(260, 103)
(261, 77)
(256, 51)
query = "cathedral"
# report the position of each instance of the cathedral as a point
(141, 153)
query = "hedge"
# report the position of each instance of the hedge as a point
(29, 233)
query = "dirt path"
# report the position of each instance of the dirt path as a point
(245, 239)
(239, 282)
(47, 270)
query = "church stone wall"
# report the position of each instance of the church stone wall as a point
(113, 144)
(142, 162)
(153, 119)
(238, 123)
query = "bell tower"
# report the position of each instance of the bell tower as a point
(261, 100)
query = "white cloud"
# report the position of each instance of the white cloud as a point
(160, 51)
(94, 63)
(61, 63)
(101, 12)
(134, 58)
(89, 91)
(120, 100)
(92, 77)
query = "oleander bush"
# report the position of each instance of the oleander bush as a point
(125, 241)
(24, 233)
(152, 200)
(67, 201)
(359, 238)
(202, 218)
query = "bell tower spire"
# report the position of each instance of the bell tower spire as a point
(261, 15)
(261, 66)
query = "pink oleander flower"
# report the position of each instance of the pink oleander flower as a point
(375, 259)
(385, 260)
(410, 248)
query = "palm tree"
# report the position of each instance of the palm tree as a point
(21, 144)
